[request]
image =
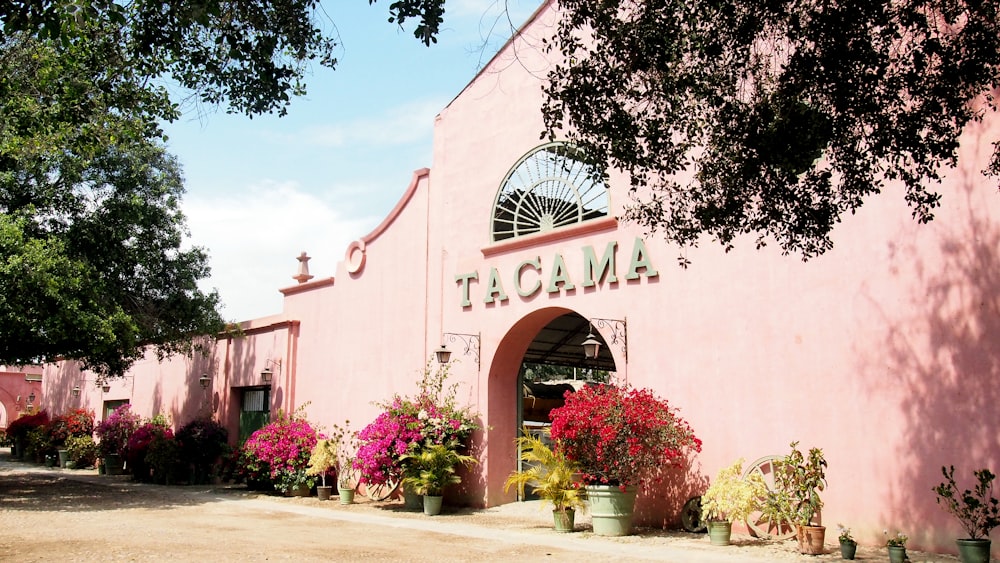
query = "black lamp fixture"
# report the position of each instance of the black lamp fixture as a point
(443, 354)
(266, 375)
(204, 380)
(591, 346)
(31, 398)
(469, 346)
(76, 391)
(614, 334)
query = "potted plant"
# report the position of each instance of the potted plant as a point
(552, 478)
(848, 546)
(731, 498)
(798, 479)
(113, 434)
(435, 467)
(204, 443)
(977, 510)
(322, 459)
(82, 451)
(896, 545)
(279, 452)
(618, 436)
(434, 415)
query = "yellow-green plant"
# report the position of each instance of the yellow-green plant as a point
(322, 458)
(731, 497)
(550, 474)
(434, 468)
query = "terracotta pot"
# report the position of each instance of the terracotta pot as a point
(811, 539)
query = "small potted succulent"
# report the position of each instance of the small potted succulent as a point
(552, 477)
(977, 510)
(731, 498)
(848, 546)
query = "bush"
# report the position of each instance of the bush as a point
(279, 452)
(203, 443)
(620, 435)
(18, 430)
(163, 456)
(407, 424)
(114, 432)
(138, 447)
(82, 451)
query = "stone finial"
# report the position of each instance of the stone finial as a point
(303, 276)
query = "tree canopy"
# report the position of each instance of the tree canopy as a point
(772, 118)
(91, 259)
(92, 262)
(251, 55)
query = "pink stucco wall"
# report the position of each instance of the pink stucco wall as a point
(883, 352)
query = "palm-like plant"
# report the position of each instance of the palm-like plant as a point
(433, 467)
(551, 475)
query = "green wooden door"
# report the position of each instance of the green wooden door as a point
(255, 411)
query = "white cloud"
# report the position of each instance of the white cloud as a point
(405, 124)
(253, 240)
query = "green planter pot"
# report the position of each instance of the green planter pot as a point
(896, 554)
(720, 533)
(114, 465)
(611, 509)
(974, 551)
(564, 520)
(432, 505)
(848, 549)
(346, 495)
(63, 457)
(412, 500)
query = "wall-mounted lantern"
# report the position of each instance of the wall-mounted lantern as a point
(266, 375)
(204, 380)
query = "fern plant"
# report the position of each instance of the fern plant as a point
(550, 474)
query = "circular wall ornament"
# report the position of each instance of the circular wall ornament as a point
(354, 258)
(548, 188)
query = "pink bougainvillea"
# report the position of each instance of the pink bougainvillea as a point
(432, 417)
(280, 452)
(620, 435)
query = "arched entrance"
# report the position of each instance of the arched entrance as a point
(539, 356)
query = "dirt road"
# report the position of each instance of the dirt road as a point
(63, 515)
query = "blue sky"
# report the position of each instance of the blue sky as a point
(262, 190)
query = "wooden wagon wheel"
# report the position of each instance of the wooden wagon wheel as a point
(759, 525)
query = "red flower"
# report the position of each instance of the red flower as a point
(618, 434)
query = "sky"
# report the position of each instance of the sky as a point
(261, 191)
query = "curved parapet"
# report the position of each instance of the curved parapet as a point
(354, 258)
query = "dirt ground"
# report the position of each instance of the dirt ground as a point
(77, 515)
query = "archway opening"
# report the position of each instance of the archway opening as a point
(538, 360)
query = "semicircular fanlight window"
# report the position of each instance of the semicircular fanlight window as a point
(549, 188)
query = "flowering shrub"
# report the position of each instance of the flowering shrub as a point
(619, 435)
(280, 452)
(845, 535)
(433, 417)
(114, 432)
(18, 430)
(139, 443)
(79, 422)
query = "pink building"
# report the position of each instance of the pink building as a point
(883, 352)
(20, 391)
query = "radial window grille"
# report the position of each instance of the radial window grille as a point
(549, 188)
